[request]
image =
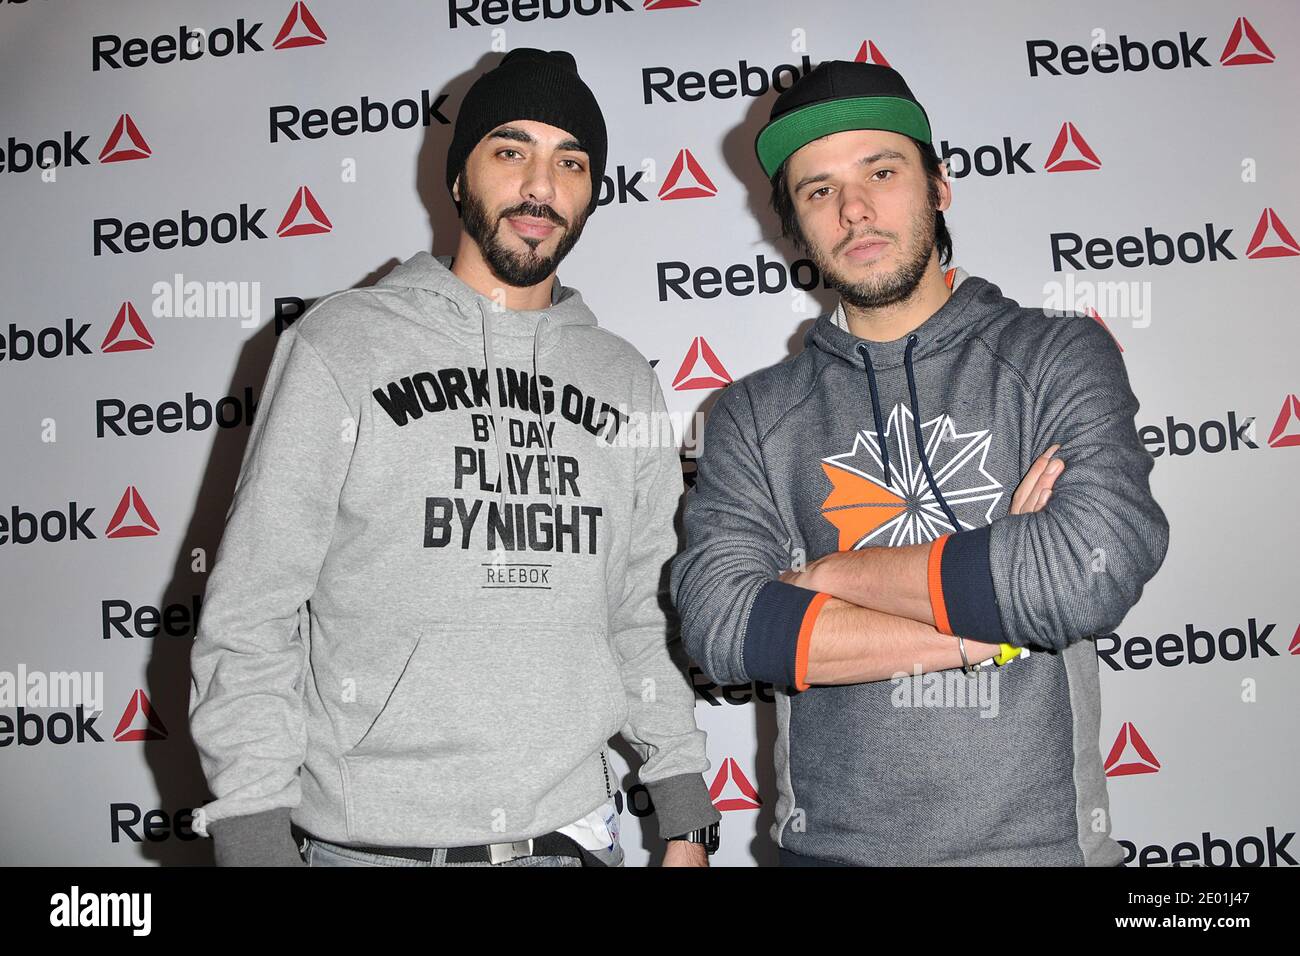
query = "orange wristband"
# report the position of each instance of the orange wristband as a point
(934, 582)
(805, 639)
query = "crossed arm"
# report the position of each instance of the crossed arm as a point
(879, 619)
(859, 616)
(1036, 577)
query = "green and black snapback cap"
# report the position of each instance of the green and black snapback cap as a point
(839, 95)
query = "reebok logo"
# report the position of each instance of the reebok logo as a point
(1180, 438)
(1194, 646)
(131, 519)
(127, 333)
(1130, 754)
(476, 13)
(293, 123)
(1286, 430)
(691, 86)
(50, 342)
(139, 721)
(1270, 240)
(1069, 153)
(686, 179)
(1212, 851)
(119, 618)
(304, 217)
(701, 368)
(129, 821)
(1244, 47)
(731, 789)
(764, 277)
(870, 53)
(20, 345)
(716, 695)
(27, 729)
(186, 44)
(125, 142)
(194, 415)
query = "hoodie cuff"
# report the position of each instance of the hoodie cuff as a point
(960, 580)
(257, 839)
(779, 632)
(682, 804)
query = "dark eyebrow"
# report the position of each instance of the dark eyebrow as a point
(864, 161)
(520, 136)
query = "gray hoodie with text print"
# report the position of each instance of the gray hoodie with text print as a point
(396, 647)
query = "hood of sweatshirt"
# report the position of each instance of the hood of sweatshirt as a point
(951, 323)
(474, 319)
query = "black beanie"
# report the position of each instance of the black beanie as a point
(534, 85)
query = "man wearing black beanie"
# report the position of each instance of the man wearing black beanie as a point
(532, 111)
(451, 493)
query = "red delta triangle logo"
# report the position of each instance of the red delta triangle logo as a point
(299, 29)
(1294, 648)
(1271, 238)
(119, 340)
(1130, 754)
(731, 789)
(870, 53)
(132, 518)
(1286, 430)
(868, 509)
(700, 369)
(1071, 152)
(698, 185)
(304, 217)
(139, 710)
(116, 150)
(670, 4)
(1245, 47)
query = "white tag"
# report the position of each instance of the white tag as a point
(598, 830)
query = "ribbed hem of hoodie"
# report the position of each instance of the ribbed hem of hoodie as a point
(962, 597)
(682, 804)
(255, 839)
(780, 624)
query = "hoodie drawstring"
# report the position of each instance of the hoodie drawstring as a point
(875, 409)
(489, 358)
(541, 416)
(916, 423)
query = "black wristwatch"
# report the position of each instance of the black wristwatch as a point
(707, 836)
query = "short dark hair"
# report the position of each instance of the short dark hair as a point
(783, 204)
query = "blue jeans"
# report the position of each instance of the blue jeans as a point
(329, 854)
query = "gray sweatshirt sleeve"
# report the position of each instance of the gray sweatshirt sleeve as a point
(1075, 568)
(661, 704)
(739, 623)
(247, 661)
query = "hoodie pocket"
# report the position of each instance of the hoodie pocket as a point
(479, 711)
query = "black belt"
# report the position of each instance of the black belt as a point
(548, 844)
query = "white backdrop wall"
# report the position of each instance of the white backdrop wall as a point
(1084, 122)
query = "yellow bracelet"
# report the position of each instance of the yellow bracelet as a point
(1006, 653)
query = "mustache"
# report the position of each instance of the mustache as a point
(854, 240)
(536, 211)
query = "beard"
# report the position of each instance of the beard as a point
(519, 269)
(888, 288)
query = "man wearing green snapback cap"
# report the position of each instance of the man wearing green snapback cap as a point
(925, 559)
